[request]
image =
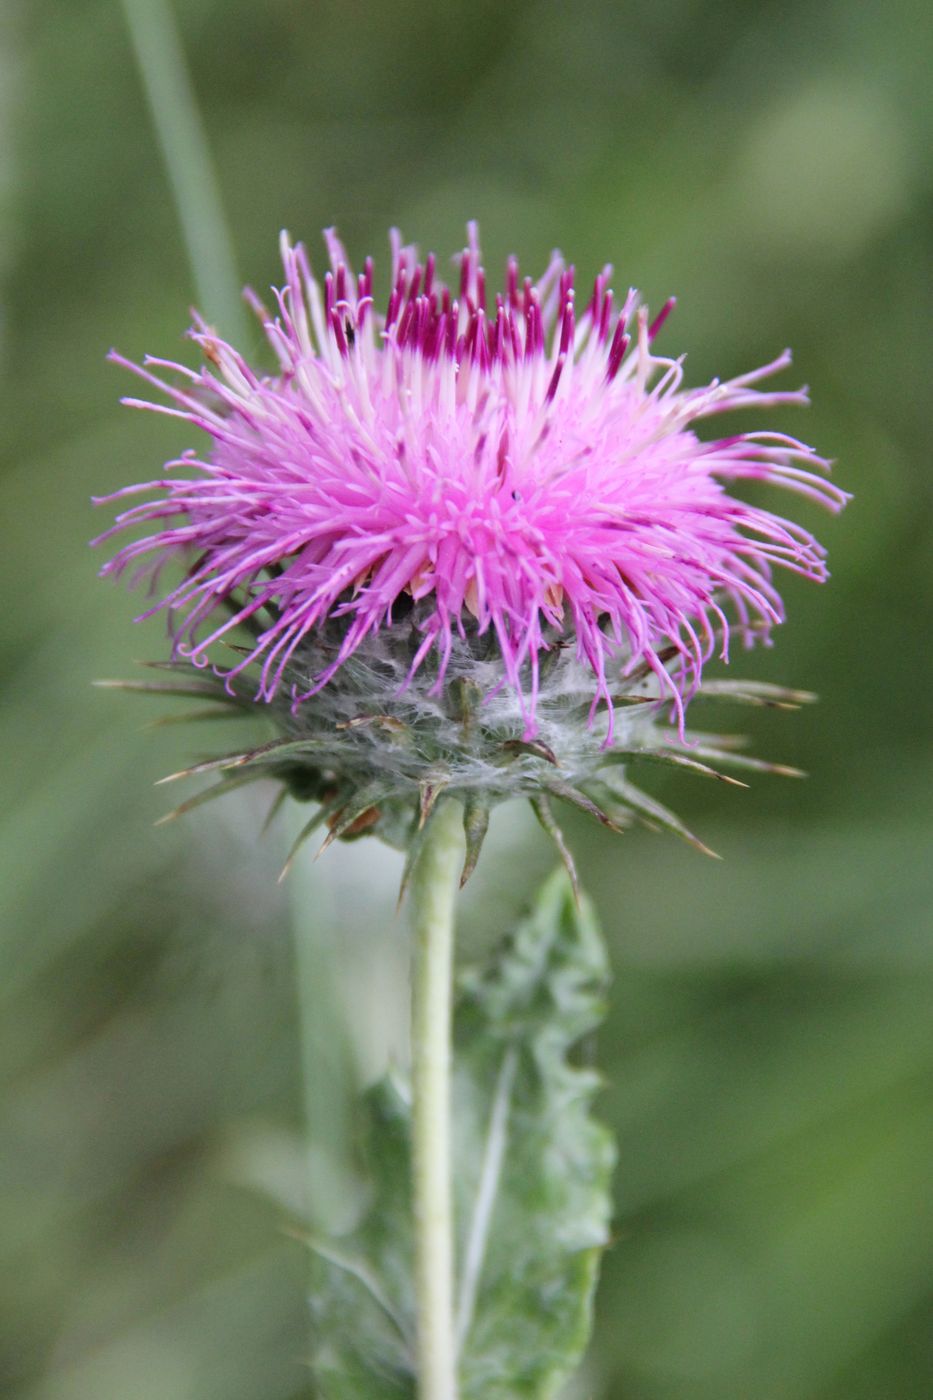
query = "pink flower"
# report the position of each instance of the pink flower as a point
(518, 467)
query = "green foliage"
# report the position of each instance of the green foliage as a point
(531, 1184)
(525, 1136)
(362, 1299)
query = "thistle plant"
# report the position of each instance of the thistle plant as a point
(468, 549)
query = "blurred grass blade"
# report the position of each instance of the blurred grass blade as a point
(183, 143)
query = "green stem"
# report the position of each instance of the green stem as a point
(183, 142)
(433, 889)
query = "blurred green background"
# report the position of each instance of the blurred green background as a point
(769, 1048)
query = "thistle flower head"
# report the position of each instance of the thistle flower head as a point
(471, 510)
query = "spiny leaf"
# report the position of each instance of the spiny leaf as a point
(388, 724)
(475, 826)
(627, 699)
(533, 1166)
(545, 814)
(428, 794)
(717, 742)
(670, 758)
(246, 758)
(567, 793)
(309, 828)
(362, 801)
(220, 789)
(223, 689)
(199, 689)
(535, 747)
(208, 765)
(187, 668)
(413, 850)
(655, 815)
(756, 693)
(468, 696)
(752, 765)
(278, 749)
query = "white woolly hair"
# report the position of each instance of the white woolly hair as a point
(413, 728)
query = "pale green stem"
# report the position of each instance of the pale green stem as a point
(185, 151)
(433, 889)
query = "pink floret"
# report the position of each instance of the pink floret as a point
(523, 467)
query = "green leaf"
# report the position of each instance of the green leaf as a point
(362, 1297)
(531, 1186)
(533, 1166)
